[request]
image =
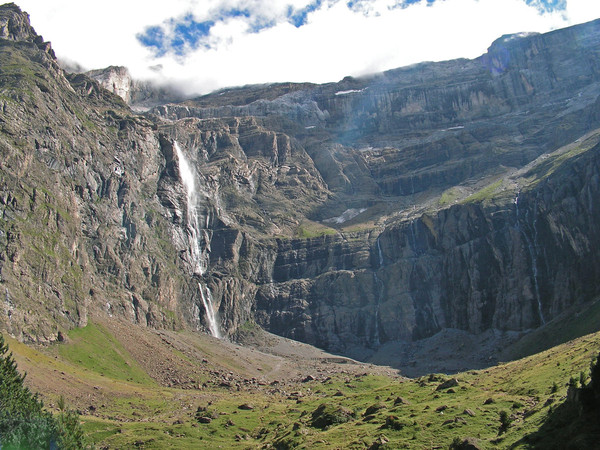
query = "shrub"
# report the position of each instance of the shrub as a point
(327, 415)
(505, 421)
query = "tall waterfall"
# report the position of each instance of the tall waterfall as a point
(197, 236)
(379, 252)
(380, 287)
(532, 254)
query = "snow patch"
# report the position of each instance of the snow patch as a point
(346, 216)
(351, 91)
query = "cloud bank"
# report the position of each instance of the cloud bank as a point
(203, 45)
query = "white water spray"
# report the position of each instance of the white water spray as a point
(380, 287)
(207, 301)
(200, 254)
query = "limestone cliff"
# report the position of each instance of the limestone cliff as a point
(139, 95)
(349, 215)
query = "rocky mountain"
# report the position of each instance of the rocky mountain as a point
(358, 216)
(139, 95)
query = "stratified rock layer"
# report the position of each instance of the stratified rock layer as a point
(348, 215)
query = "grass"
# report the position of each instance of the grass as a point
(449, 197)
(487, 193)
(550, 165)
(310, 229)
(521, 388)
(94, 348)
(138, 412)
(542, 168)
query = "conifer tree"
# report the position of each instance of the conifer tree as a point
(24, 424)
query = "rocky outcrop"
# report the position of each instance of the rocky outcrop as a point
(14, 25)
(139, 95)
(403, 137)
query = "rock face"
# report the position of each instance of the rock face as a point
(347, 215)
(139, 95)
(14, 25)
(81, 228)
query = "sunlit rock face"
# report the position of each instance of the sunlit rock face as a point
(115, 79)
(348, 215)
(139, 95)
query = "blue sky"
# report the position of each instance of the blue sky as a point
(209, 44)
(180, 35)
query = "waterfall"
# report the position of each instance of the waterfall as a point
(200, 254)
(532, 249)
(534, 270)
(414, 236)
(380, 286)
(379, 252)
(535, 262)
(210, 312)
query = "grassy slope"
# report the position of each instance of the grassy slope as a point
(572, 323)
(124, 408)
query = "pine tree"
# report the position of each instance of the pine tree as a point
(24, 424)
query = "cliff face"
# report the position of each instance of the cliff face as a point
(139, 95)
(433, 124)
(511, 264)
(81, 228)
(347, 215)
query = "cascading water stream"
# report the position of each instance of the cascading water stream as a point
(532, 255)
(380, 253)
(414, 236)
(213, 325)
(380, 287)
(199, 254)
(534, 251)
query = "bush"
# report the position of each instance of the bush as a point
(505, 421)
(327, 415)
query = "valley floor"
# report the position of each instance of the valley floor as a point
(139, 388)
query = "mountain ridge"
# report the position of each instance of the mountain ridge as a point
(431, 228)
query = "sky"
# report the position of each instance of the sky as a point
(205, 45)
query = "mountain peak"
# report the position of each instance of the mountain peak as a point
(14, 24)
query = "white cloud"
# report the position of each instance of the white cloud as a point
(335, 41)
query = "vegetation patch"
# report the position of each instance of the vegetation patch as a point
(311, 229)
(487, 193)
(503, 407)
(327, 415)
(95, 349)
(24, 423)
